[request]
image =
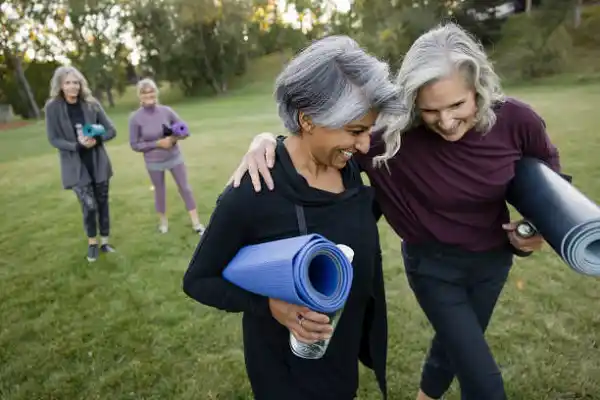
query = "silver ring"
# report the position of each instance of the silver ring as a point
(300, 320)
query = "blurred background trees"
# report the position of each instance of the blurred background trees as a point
(202, 46)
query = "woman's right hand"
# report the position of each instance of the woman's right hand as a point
(306, 325)
(259, 158)
(165, 143)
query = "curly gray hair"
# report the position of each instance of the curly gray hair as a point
(434, 55)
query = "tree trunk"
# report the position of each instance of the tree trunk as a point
(23, 84)
(280, 40)
(528, 7)
(108, 84)
(209, 70)
(109, 97)
(577, 16)
(225, 66)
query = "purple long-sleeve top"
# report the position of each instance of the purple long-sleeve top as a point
(146, 128)
(454, 192)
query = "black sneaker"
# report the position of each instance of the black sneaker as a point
(107, 248)
(92, 254)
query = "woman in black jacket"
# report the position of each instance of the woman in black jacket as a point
(329, 105)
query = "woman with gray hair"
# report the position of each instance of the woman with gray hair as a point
(328, 97)
(161, 153)
(440, 171)
(85, 165)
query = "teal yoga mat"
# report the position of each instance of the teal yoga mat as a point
(93, 130)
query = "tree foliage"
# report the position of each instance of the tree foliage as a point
(201, 45)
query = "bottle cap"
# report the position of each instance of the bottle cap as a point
(348, 252)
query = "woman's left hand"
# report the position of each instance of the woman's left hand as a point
(529, 244)
(87, 142)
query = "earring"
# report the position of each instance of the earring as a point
(309, 125)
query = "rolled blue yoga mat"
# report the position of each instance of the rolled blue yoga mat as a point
(307, 270)
(565, 217)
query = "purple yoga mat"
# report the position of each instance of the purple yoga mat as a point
(180, 129)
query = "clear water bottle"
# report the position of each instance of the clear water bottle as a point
(314, 351)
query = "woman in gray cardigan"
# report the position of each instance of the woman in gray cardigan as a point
(84, 162)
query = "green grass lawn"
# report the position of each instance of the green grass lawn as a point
(123, 329)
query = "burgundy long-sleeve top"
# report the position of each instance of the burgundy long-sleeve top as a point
(454, 192)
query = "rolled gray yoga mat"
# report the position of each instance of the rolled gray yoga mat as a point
(567, 219)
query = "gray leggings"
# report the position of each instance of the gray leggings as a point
(180, 176)
(94, 206)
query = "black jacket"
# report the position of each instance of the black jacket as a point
(243, 217)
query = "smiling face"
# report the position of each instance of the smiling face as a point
(448, 106)
(334, 147)
(148, 96)
(70, 86)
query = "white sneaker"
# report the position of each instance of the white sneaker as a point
(163, 228)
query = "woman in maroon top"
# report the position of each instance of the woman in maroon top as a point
(440, 174)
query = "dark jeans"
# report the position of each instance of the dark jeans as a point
(94, 206)
(458, 291)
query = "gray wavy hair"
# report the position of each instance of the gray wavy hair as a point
(334, 82)
(56, 82)
(434, 55)
(146, 83)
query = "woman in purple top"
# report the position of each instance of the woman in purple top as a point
(440, 174)
(161, 153)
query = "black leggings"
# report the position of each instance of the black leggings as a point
(94, 206)
(458, 291)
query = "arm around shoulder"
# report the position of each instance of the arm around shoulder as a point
(227, 232)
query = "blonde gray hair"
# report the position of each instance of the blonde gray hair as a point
(435, 55)
(146, 83)
(57, 79)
